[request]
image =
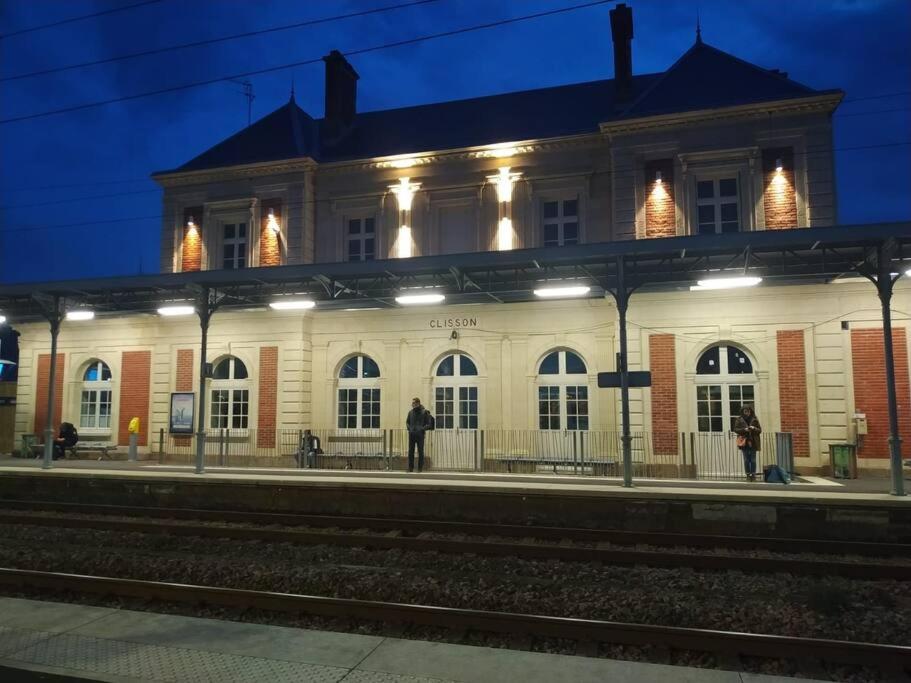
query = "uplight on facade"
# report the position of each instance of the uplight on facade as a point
(504, 182)
(404, 194)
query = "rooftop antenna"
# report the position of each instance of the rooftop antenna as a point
(292, 89)
(698, 28)
(248, 93)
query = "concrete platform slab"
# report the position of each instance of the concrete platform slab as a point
(118, 648)
(251, 640)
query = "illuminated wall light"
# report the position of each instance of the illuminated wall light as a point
(2, 319)
(80, 315)
(501, 152)
(292, 305)
(176, 310)
(725, 283)
(272, 222)
(505, 234)
(191, 225)
(403, 242)
(779, 166)
(558, 292)
(418, 299)
(504, 182)
(404, 194)
(658, 178)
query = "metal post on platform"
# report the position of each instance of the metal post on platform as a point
(884, 285)
(161, 446)
(621, 296)
(204, 310)
(54, 316)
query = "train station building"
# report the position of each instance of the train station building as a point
(471, 253)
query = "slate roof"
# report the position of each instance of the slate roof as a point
(703, 78)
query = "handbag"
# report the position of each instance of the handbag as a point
(741, 441)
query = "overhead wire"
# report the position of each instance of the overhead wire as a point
(213, 41)
(305, 62)
(93, 15)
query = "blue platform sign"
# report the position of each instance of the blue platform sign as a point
(637, 378)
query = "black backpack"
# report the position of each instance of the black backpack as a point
(69, 434)
(431, 422)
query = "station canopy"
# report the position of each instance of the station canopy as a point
(779, 257)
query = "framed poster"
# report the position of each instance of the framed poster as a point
(182, 412)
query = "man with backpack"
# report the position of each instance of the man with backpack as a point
(418, 423)
(67, 437)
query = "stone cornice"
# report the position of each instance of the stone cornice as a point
(210, 175)
(824, 103)
(422, 159)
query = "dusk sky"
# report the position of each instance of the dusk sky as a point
(860, 46)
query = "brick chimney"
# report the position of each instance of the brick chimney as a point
(621, 26)
(341, 93)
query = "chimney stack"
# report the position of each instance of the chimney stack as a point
(341, 93)
(621, 26)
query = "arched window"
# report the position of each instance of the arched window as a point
(359, 394)
(95, 402)
(455, 392)
(725, 380)
(230, 393)
(562, 392)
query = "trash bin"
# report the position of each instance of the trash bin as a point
(843, 460)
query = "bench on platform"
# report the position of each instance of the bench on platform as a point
(104, 449)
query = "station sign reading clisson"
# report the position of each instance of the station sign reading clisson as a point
(452, 323)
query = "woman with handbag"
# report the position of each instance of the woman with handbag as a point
(748, 429)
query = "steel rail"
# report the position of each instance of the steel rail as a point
(853, 570)
(416, 526)
(894, 658)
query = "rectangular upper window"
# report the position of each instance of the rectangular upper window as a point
(234, 245)
(560, 218)
(717, 205)
(361, 239)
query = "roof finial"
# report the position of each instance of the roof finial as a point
(698, 28)
(291, 99)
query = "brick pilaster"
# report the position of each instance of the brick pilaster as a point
(43, 382)
(268, 396)
(779, 198)
(270, 244)
(792, 389)
(663, 365)
(868, 361)
(191, 243)
(134, 395)
(660, 209)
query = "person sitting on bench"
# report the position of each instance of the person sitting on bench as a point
(67, 437)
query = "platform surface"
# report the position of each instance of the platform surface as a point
(103, 644)
(814, 490)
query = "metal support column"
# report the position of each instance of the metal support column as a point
(884, 285)
(204, 310)
(621, 296)
(54, 317)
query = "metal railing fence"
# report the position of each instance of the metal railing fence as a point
(655, 455)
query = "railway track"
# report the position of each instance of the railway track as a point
(414, 527)
(494, 546)
(894, 661)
